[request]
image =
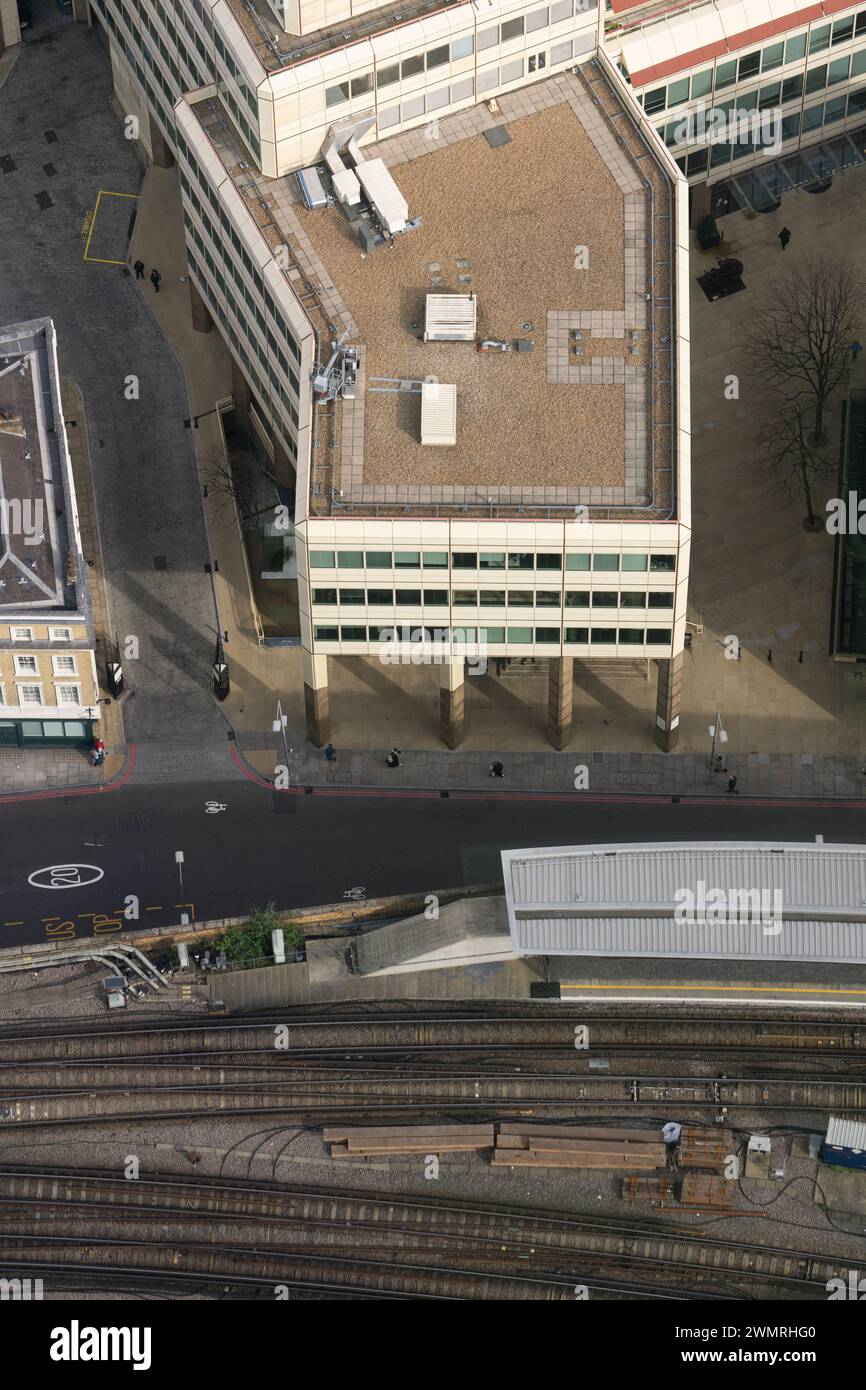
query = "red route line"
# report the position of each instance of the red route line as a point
(571, 798)
(114, 785)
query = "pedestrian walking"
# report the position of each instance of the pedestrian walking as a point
(97, 753)
(856, 349)
(784, 237)
(393, 758)
(718, 766)
(155, 278)
(139, 270)
(497, 770)
(330, 752)
(732, 785)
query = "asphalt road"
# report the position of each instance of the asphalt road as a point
(301, 850)
(66, 148)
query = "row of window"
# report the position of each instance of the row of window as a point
(63, 665)
(726, 72)
(156, 98)
(493, 598)
(250, 368)
(271, 413)
(241, 251)
(494, 636)
(813, 118)
(490, 560)
(268, 351)
(687, 128)
(25, 634)
(27, 694)
(440, 55)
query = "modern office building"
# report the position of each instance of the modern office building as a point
(804, 61)
(449, 256)
(48, 686)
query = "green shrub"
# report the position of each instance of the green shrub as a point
(252, 941)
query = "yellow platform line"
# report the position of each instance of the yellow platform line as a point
(748, 989)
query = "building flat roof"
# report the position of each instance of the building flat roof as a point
(39, 566)
(731, 900)
(566, 232)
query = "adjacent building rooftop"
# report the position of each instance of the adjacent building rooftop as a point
(559, 216)
(40, 558)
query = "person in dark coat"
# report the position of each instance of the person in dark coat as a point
(784, 237)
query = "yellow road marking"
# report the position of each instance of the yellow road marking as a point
(750, 989)
(103, 193)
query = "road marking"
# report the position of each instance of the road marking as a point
(60, 876)
(13, 924)
(103, 193)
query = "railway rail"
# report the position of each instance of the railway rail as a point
(403, 1245)
(345, 1092)
(382, 1033)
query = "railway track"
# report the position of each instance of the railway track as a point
(411, 1246)
(342, 1094)
(382, 1033)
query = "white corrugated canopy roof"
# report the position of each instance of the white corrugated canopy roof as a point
(734, 900)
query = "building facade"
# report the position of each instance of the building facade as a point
(558, 526)
(801, 63)
(10, 27)
(49, 692)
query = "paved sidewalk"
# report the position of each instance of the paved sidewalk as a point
(663, 774)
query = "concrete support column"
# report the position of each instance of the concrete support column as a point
(81, 12)
(161, 154)
(316, 699)
(560, 699)
(452, 721)
(670, 686)
(202, 319)
(700, 202)
(240, 391)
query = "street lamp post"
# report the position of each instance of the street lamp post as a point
(716, 732)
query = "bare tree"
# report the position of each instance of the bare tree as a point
(232, 483)
(801, 334)
(794, 462)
